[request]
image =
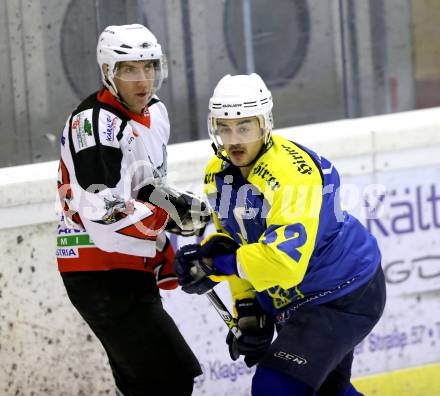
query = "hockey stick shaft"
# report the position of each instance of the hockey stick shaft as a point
(224, 313)
(198, 273)
(230, 321)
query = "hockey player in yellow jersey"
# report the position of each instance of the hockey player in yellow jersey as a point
(295, 261)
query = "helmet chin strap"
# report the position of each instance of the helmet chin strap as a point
(218, 153)
(112, 88)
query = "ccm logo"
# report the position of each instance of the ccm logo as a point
(290, 357)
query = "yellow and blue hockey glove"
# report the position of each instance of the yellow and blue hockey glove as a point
(199, 267)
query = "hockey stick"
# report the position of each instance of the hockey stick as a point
(229, 320)
(221, 309)
(198, 273)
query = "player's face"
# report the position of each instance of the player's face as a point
(242, 139)
(134, 81)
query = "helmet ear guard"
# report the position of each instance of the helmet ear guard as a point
(240, 96)
(129, 43)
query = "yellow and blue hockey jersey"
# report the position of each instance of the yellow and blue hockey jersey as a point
(297, 245)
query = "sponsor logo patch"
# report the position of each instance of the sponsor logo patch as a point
(110, 126)
(82, 131)
(209, 178)
(67, 252)
(262, 170)
(68, 241)
(298, 160)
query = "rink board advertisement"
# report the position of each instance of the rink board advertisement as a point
(402, 209)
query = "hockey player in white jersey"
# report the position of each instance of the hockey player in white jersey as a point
(112, 251)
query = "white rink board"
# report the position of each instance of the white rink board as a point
(408, 231)
(47, 349)
(407, 336)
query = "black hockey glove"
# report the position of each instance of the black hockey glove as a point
(195, 267)
(257, 330)
(189, 214)
(193, 215)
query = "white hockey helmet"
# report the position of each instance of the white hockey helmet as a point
(240, 96)
(129, 43)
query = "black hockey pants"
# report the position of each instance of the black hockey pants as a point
(147, 353)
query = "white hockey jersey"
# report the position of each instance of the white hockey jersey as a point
(107, 155)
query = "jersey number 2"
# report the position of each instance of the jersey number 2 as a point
(295, 236)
